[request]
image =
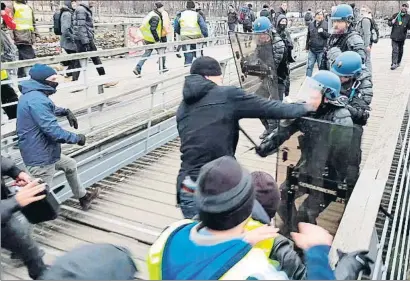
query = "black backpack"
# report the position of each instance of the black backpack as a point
(57, 23)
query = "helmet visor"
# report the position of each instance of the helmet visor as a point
(311, 90)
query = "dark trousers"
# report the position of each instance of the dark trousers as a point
(189, 56)
(26, 52)
(232, 26)
(16, 237)
(7, 96)
(247, 28)
(397, 52)
(72, 64)
(82, 48)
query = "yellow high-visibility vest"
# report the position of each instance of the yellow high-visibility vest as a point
(4, 74)
(145, 27)
(189, 23)
(23, 16)
(155, 254)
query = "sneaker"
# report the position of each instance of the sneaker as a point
(179, 56)
(111, 84)
(137, 72)
(164, 70)
(394, 66)
(85, 202)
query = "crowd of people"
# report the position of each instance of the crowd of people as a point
(229, 230)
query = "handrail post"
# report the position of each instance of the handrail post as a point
(151, 109)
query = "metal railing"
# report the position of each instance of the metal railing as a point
(153, 117)
(382, 190)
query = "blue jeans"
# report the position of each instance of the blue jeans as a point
(312, 59)
(147, 54)
(189, 56)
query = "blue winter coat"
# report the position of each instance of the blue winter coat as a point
(40, 135)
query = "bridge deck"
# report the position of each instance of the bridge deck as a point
(138, 201)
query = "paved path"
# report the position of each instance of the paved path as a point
(138, 201)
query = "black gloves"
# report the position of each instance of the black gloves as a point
(288, 259)
(72, 119)
(350, 265)
(81, 140)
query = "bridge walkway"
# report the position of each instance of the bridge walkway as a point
(138, 201)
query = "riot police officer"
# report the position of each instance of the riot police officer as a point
(357, 88)
(272, 53)
(343, 36)
(323, 148)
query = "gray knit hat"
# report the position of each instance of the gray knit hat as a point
(225, 196)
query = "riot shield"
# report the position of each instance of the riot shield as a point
(317, 169)
(254, 59)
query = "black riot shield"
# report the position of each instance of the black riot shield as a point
(254, 59)
(317, 168)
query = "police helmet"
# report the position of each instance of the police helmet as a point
(261, 25)
(342, 12)
(330, 83)
(347, 64)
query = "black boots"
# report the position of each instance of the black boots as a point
(85, 202)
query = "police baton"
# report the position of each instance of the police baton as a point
(248, 137)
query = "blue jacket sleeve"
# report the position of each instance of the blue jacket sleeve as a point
(43, 115)
(177, 27)
(203, 26)
(59, 111)
(317, 264)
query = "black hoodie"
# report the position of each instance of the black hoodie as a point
(208, 116)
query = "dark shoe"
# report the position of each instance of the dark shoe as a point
(179, 56)
(394, 66)
(137, 72)
(164, 70)
(85, 202)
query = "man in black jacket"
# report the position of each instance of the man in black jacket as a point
(400, 23)
(316, 41)
(207, 121)
(15, 236)
(83, 27)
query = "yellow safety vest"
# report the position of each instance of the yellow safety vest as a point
(146, 28)
(155, 253)
(23, 16)
(4, 74)
(189, 23)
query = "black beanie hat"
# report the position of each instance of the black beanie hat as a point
(267, 192)
(158, 5)
(206, 66)
(225, 195)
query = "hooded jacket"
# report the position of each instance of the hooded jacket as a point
(8, 205)
(208, 116)
(67, 41)
(40, 135)
(399, 32)
(83, 24)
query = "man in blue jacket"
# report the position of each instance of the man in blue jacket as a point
(40, 135)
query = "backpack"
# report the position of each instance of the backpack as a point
(374, 30)
(244, 15)
(308, 16)
(57, 23)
